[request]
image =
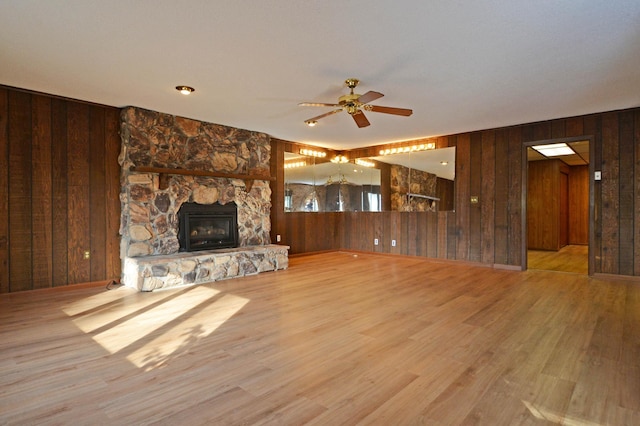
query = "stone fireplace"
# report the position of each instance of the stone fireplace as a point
(168, 162)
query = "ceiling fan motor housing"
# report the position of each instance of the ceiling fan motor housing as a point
(350, 102)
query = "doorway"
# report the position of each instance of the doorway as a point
(558, 214)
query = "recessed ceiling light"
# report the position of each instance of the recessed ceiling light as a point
(444, 163)
(185, 90)
(311, 123)
(554, 149)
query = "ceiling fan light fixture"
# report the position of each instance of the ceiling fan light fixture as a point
(185, 90)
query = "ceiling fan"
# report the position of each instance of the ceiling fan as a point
(354, 104)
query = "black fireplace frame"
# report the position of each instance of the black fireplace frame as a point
(189, 211)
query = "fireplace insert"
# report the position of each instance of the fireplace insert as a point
(207, 226)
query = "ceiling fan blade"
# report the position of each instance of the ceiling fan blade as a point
(390, 110)
(360, 119)
(369, 96)
(335, 111)
(318, 104)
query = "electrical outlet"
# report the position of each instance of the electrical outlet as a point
(87, 255)
(375, 241)
(278, 238)
(393, 243)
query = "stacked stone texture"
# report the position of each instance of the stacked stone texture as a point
(149, 221)
(151, 273)
(418, 182)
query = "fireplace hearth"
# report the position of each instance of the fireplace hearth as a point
(207, 226)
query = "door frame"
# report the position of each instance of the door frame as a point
(525, 182)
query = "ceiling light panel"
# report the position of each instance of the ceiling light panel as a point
(554, 149)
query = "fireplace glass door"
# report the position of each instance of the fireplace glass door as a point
(206, 227)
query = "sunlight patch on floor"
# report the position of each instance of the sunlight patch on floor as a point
(180, 338)
(95, 302)
(126, 333)
(111, 307)
(153, 328)
(548, 415)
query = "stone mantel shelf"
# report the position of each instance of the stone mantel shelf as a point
(164, 182)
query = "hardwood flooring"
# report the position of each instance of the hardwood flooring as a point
(338, 338)
(572, 258)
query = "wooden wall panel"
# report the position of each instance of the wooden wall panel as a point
(422, 234)
(79, 197)
(344, 236)
(592, 125)
(361, 233)
(516, 198)
(97, 190)
(501, 216)
(312, 230)
(574, 127)
(296, 231)
(475, 185)
(429, 247)
(610, 193)
(396, 233)
(4, 191)
(463, 192)
(579, 205)
(445, 190)
(487, 197)
(636, 184)
(452, 241)
(563, 209)
(278, 218)
(442, 240)
(59, 199)
(558, 129)
(20, 185)
(626, 194)
(408, 246)
(112, 194)
(41, 192)
(59, 187)
(543, 203)
(377, 231)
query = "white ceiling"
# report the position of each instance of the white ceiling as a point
(460, 65)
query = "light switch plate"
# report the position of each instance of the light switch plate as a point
(598, 175)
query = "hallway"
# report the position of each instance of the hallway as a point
(571, 258)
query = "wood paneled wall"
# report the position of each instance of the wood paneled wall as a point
(59, 186)
(579, 205)
(544, 198)
(490, 165)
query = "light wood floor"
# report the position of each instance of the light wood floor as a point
(336, 339)
(572, 258)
